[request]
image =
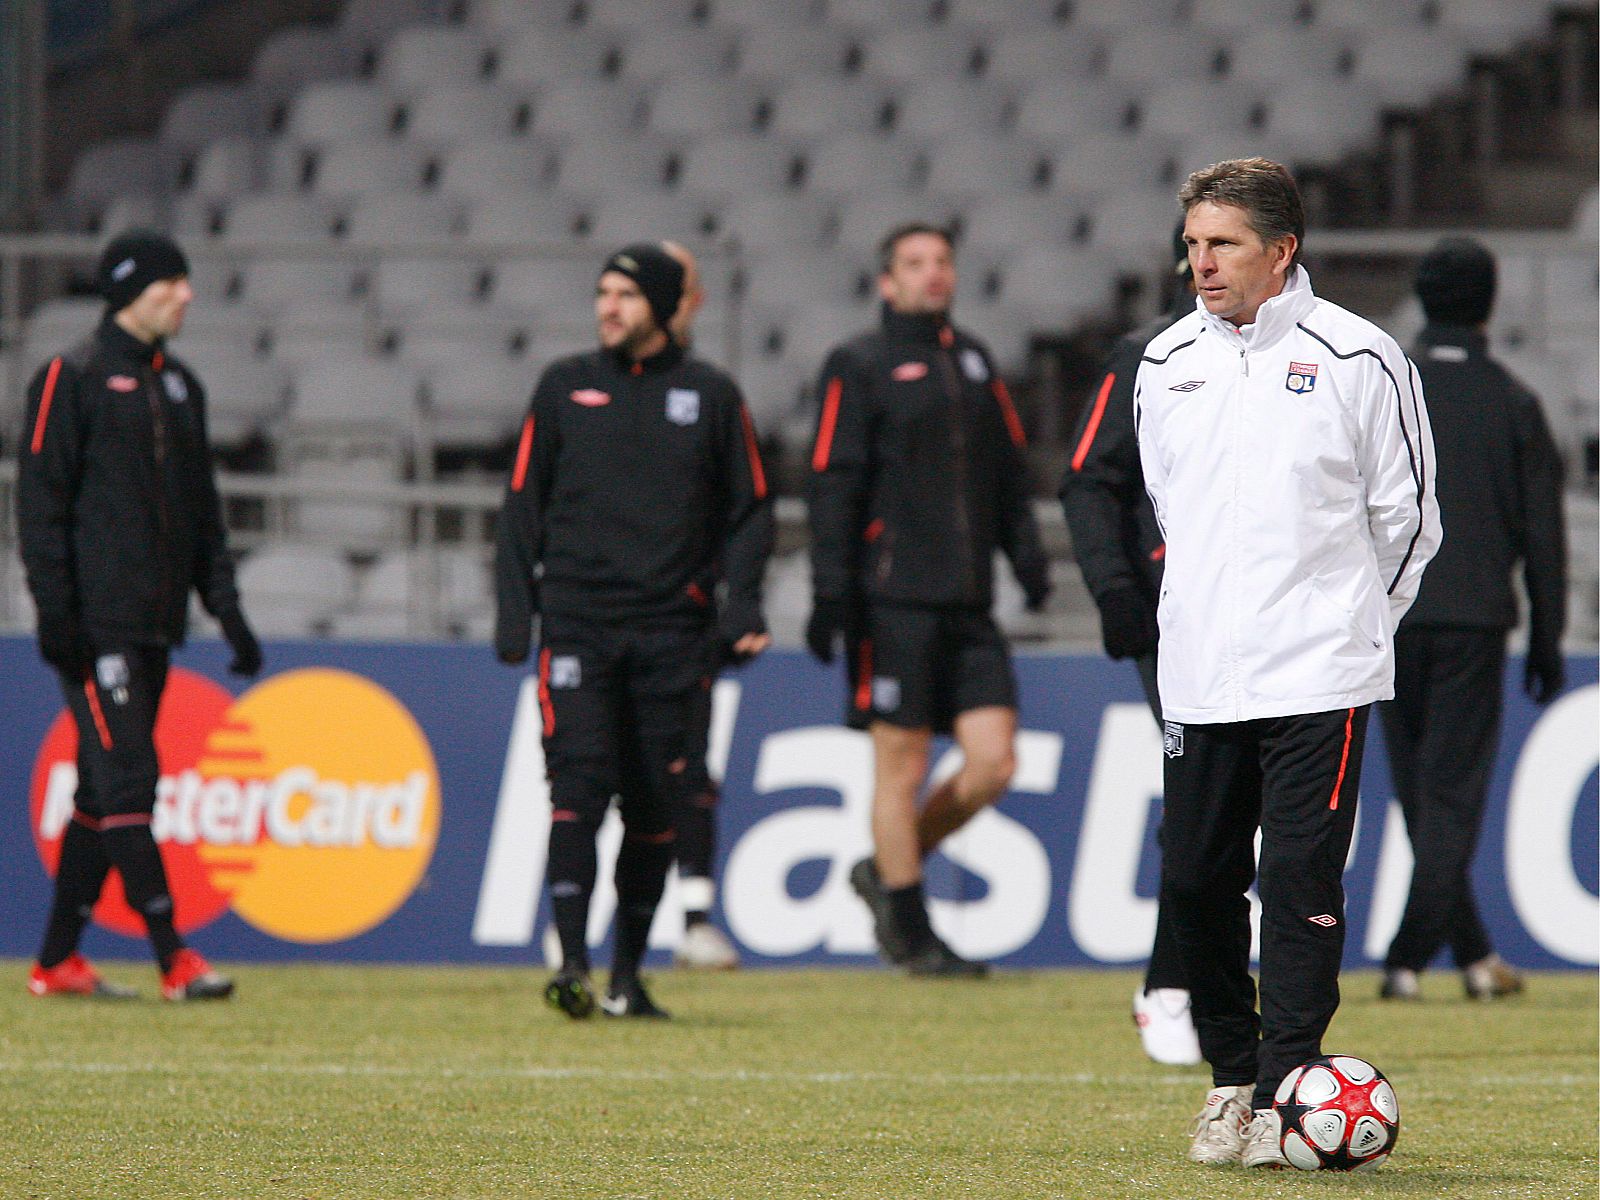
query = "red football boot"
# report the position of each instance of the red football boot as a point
(191, 978)
(73, 976)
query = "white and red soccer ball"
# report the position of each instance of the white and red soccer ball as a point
(1339, 1114)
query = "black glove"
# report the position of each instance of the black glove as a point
(1127, 623)
(512, 640)
(246, 650)
(63, 646)
(1546, 673)
(1036, 595)
(830, 620)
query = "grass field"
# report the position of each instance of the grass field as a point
(392, 1082)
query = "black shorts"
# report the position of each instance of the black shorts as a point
(920, 668)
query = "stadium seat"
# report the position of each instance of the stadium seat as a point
(356, 391)
(682, 216)
(400, 285)
(1158, 54)
(1292, 57)
(772, 52)
(1408, 67)
(906, 53)
(475, 403)
(312, 330)
(766, 14)
(340, 111)
(698, 105)
(794, 277)
(1243, 17)
(1586, 214)
(980, 166)
(865, 218)
(371, 168)
(450, 115)
(810, 331)
(1003, 223)
(653, 55)
(342, 466)
(1319, 122)
(498, 167)
(1004, 328)
(545, 56)
(227, 167)
(775, 391)
(279, 282)
(1134, 225)
(1367, 17)
(589, 109)
(779, 220)
(244, 393)
(1036, 58)
(1057, 285)
(886, 14)
(1490, 25)
(292, 57)
(1065, 108)
(377, 19)
(290, 589)
(1087, 168)
(513, 16)
(400, 220)
(848, 164)
(725, 165)
(134, 210)
(424, 336)
(424, 56)
(940, 108)
(596, 168)
(297, 220)
(827, 107)
(510, 216)
(632, 16)
(1025, 16)
(1121, 16)
(203, 112)
(112, 168)
(1170, 110)
(553, 288)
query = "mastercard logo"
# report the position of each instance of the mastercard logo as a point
(309, 805)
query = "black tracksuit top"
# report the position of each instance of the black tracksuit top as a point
(1115, 537)
(1498, 484)
(117, 502)
(636, 486)
(917, 471)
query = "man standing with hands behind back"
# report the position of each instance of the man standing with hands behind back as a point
(1286, 449)
(119, 518)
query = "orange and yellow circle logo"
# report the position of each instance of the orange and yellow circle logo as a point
(309, 805)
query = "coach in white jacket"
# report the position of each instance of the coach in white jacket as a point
(1286, 448)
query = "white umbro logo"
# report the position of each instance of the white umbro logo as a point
(1324, 920)
(1192, 385)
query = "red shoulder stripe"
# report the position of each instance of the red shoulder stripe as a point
(757, 475)
(830, 418)
(1093, 427)
(519, 474)
(44, 404)
(1009, 412)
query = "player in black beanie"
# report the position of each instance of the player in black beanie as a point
(658, 274)
(132, 261)
(1456, 281)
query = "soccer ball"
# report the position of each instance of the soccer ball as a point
(1339, 1114)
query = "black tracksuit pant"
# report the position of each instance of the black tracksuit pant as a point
(1442, 729)
(114, 705)
(1294, 777)
(1166, 959)
(616, 697)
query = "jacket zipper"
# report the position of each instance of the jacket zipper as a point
(158, 438)
(958, 445)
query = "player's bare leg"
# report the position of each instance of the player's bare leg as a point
(988, 739)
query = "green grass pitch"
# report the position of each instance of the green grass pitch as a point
(346, 1082)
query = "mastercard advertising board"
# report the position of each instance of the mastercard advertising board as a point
(388, 803)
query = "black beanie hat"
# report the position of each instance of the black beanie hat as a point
(658, 274)
(132, 261)
(1455, 282)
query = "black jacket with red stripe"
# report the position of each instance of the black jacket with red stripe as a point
(635, 487)
(918, 472)
(117, 502)
(1115, 536)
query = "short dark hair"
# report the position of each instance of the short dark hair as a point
(1262, 188)
(900, 233)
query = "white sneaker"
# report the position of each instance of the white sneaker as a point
(1218, 1131)
(1165, 1027)
(1263, 1140)
(706, 948)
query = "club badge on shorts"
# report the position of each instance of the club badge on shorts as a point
(683, 406)
(1172, 739)
(177, 388)
(1302, 377)
(885, 694)
(111, 671)
(972, 363)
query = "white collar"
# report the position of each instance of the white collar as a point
(1276, 316)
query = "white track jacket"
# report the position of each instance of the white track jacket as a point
(1290, 464)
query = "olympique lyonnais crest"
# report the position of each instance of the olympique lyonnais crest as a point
(1172, 739)
(683, 406)
(1302, 377)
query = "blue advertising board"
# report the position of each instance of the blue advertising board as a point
(388, 803)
